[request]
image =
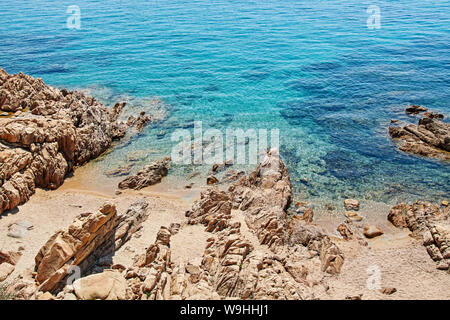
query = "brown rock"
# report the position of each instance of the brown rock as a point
(10, 257)
(427, 222)
(388, 290)
(149, 175)
(212, 180)
(351, 204)
(109, 285)
(372, 231)
(5, 270)
(430, 138)
(354, 216)
(57, 130)
(415, 109)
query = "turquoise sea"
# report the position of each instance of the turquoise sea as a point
(313, 69)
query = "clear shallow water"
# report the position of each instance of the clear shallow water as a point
(310, 68)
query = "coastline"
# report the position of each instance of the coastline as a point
(402, 259)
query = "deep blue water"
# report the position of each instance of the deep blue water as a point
(313, 69)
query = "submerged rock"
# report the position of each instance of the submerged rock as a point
(415, 109)
(351, 204)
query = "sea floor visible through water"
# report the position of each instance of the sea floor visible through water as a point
(312, 69)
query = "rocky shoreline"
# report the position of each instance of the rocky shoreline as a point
(237, 240)
(47, 133)
(429, 138)
(252, 249)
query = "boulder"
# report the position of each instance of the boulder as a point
(353, 216)
(415, 109)
(371, 231)
(211, 180)
(149, 175)
(351, 204)
(108, 285)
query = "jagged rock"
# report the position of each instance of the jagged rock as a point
(139, 122)
(11, 257)
(148, 277)
(149, 175)
(345, 231)
(415, 109)
(5, 270)
(308, 215)
(57, 130)
(430, 138)
(108, 285)
(130, 222)
(429, 223)
(71, 247)
(351, 204)
(212, 180)
(433, 115)
(234, 268)
(371, 231)
(91, 237)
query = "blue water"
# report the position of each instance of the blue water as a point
(313, 69)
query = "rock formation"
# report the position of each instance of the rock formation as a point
(430, 138)
(51, 132)
(430, 224)
(147, 176)
(255, 250)
(91, 237)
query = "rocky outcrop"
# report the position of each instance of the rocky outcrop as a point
(430, 138)
(264, 197)
(291, 254)
(91, 237)
(71, 247)
(8, 261)
(51, 132)
(149, 175)
(255, 251)
(108, 285)
(430, 224)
